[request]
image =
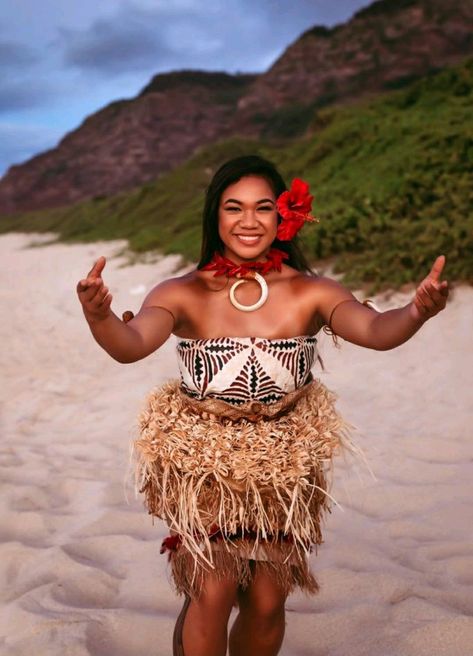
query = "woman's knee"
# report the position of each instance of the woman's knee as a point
(264, 599)
(217, 594)
(267, 608)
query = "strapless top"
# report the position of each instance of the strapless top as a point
(240, 369)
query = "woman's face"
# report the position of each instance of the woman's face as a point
(247, 218)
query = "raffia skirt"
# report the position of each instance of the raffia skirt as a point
(239, 484)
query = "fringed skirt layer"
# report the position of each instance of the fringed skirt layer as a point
(242, 484)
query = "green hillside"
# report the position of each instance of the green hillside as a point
(392, 179)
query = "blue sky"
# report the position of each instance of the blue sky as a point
(61, 61)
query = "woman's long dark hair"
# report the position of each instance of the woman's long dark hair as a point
(227, 174)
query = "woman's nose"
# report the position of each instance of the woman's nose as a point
(249, 218)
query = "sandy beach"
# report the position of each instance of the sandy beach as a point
(80, 569)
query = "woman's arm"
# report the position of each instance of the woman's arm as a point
(137, 338)
(364, 326)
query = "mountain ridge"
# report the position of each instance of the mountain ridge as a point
(130, 142)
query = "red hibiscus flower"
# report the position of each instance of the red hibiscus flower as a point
(294, 206)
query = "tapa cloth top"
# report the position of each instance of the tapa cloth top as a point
(240, 369)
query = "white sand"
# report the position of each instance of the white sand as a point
(80, 570)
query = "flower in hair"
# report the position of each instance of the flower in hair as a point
(294, 206)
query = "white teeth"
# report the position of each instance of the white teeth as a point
(249, 240)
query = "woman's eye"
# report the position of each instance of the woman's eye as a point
(232, 209)
(266, 209)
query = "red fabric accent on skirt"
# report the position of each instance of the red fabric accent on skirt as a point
(171, 543)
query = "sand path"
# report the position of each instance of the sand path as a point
(80, 569)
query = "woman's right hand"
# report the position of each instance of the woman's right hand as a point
(93, 295)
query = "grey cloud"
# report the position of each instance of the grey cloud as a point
(15, 56)
(112, 47)
(232, 35)
(17, 96)
(19, 89)
(15, 53)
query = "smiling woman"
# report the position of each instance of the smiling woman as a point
(247, 222)
(236, 455)
(243, 206)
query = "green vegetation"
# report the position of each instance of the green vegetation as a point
(392, 179)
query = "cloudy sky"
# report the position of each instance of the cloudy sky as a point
(61, 61)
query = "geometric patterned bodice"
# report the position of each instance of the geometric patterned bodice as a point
(239, 369)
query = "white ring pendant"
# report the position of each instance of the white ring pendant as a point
(262, 299)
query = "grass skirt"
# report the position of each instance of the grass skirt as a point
(239, 484)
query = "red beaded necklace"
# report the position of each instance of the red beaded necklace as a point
(224, 266)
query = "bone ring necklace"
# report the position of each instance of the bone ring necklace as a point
(262, 299)
(223, 266)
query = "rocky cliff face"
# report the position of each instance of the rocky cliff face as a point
(132, 141)
(384, 46)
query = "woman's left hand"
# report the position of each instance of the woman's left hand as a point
(431, 295)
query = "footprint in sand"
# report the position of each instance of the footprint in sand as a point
(87, 587)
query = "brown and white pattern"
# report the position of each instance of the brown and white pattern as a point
(239, 369)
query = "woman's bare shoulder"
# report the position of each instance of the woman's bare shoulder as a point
(322, 291)
(171, 288)
(317, 282)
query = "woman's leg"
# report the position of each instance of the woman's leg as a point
(205, 627)
(259, 628)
